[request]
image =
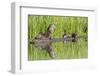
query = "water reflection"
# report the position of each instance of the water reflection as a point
(60, 50)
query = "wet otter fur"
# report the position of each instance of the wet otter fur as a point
(47, 35)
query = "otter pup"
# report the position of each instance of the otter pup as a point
(65, 36)
(74, 37)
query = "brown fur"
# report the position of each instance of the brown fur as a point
(47, 35)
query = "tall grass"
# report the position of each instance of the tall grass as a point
(71, 24)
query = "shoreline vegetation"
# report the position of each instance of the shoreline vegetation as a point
(69, 50)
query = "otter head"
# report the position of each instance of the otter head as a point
(51, 28)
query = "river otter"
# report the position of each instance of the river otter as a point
(65, 36)
(47, 33)
(46, 36)
(74, 36)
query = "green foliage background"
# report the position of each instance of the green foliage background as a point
(72, 24)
